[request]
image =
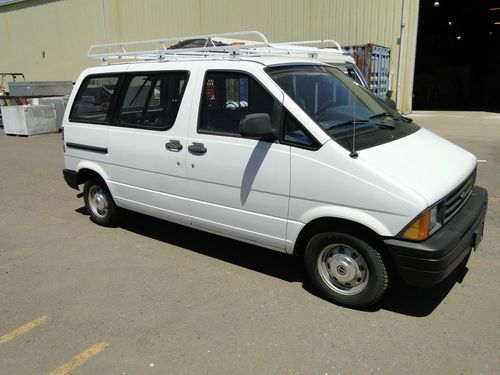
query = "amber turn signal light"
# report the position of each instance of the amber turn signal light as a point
(419, 228)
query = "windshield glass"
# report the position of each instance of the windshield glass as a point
(352, 71)
(333, 100)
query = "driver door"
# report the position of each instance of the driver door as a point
(238, 186)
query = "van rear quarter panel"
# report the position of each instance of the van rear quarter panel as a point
(85, 134)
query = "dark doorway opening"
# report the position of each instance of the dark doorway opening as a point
(458, 55)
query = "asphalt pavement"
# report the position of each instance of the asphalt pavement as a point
(151, 297)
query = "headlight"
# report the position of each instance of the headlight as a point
(424, 224)
(433, 218)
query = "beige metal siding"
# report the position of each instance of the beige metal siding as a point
(60, 29)
(64, 29)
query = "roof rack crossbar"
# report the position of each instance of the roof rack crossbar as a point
(222, 52)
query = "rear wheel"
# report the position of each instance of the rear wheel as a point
(346, 270)
(100, 204)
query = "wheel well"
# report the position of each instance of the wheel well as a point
(328, 224)
(85, 175)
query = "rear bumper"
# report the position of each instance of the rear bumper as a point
(71, 178)
(427, 263)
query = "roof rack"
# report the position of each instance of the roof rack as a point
(322, 41)
(165, 49)
(161, 47)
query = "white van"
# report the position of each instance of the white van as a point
(278, 151)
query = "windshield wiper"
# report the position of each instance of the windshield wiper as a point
(394, 117)
(386, 126)
(345, 123)
(382, 114)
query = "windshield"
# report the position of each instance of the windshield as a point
(334, 101)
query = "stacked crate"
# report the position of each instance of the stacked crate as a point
(374, 61)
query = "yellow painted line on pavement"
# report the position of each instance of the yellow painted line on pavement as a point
(23, 329)
(79, 359)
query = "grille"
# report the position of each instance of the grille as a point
(457, 198)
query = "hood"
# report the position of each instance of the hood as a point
(424, 162)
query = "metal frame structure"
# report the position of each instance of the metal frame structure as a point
(159, 50)
(322, 41)
(13, 75)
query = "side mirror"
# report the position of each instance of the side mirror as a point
(257, 125)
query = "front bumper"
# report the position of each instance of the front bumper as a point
(427, 263)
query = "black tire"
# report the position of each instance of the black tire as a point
(100, 204)
(346, 270)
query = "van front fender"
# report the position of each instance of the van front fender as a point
(384, 224)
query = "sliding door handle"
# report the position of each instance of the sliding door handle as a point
(197, 148)
(173, 145)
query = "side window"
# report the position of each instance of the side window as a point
(138, 92)
(151, 100)
(93, 100)
(295, 134)
(227, 97)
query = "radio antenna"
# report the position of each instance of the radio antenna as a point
(353, 153)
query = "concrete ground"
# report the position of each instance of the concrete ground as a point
(152, 297)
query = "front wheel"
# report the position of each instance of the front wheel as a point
(100, 204)
(346, 270)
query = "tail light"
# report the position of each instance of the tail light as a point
(64, 144)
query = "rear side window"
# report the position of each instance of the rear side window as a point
(227, 97)
(94, 98)
(151, 101)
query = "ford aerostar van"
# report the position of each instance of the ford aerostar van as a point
(283, 152)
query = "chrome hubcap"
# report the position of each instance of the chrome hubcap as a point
(343, 269)
(98, 202)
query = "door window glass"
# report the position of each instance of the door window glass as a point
(295, 134)
(227, 97)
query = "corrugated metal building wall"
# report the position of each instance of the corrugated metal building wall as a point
(48, 39)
